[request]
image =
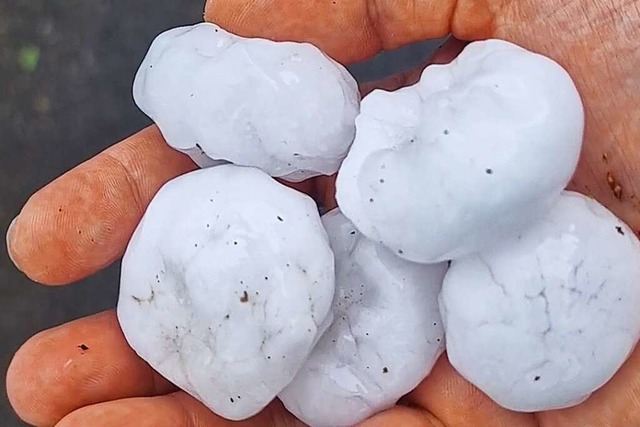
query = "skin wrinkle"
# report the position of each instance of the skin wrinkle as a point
(371, 8)
(138, 201)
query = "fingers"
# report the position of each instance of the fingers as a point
(347, 30)
(405, 417)
(455, 402)
(325, 192)
(354, 30)
(173, 410)
(615, 404)
(307, 187)
(445, 54)
(80, 363)
(82, 221)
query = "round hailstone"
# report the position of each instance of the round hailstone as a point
(226, 285)
(283, 107)
(385, 338)
(547, 317)
(472, 153)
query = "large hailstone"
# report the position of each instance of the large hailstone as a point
(283, 107)
(385, 338)
(547, 317)
(470, 154)
(226, 285)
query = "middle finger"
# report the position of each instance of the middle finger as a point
(80, 363)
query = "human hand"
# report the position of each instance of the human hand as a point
(81, 222)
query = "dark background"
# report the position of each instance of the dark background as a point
(66, 68)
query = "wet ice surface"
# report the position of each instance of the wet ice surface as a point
(544, 319)
(283, 107)
(385, 338)
(226, 285)
(472, 153)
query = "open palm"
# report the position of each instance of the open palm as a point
(84, 373)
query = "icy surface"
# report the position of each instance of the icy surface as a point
(549, 316)
(226, 285)
(283, 107)
(472, 153)
(385, 338)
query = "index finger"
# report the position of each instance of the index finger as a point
(347, 30)
(81, 222)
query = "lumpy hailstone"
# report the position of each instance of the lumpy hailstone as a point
(472, 153)
(283, 107)
(385, 338)
(547, 317)
(226, 285)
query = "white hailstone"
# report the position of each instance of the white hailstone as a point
(548, 316)
(472, 153)
(226, 285)
(385, 338)
(283, 107)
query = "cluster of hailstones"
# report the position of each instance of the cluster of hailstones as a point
(452, 222)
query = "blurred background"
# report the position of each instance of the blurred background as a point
(66, 68)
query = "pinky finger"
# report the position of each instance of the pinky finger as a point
(172, 410)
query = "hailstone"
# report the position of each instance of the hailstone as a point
(385, 338)
(283, 107)
(474, 152)
(226, 285)
(545, 318)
